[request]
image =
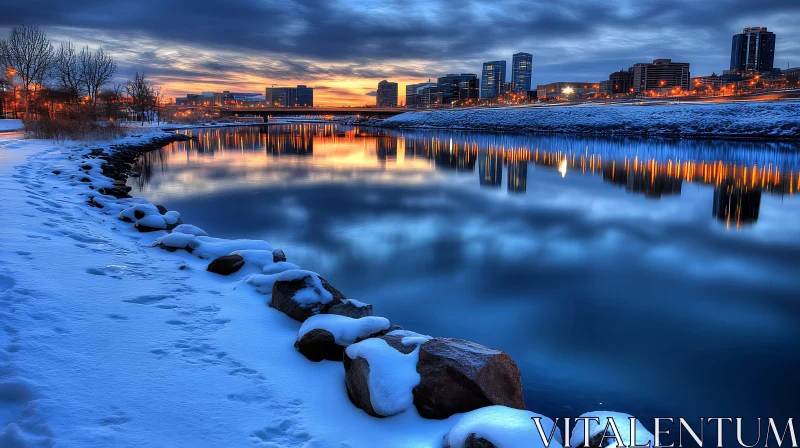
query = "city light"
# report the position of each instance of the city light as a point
(568, 91)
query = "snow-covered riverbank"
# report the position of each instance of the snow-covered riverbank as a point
(773, 121)
(108, 340)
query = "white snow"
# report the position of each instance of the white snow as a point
(146, 209)
(107, 342)
(313, 293)
(767, 120)
(345, 330)
(210, 247)
(190, 229)
(177, 240)
(10, 125)
(622, 421)
(392, 375)
(152, 221)
(504, 427)
(410, 337)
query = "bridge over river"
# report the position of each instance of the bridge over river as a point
(315, 111)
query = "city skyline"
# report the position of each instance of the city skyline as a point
(344, 49)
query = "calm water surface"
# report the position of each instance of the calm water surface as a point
(657, 278)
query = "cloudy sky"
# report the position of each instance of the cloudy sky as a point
(344, 47)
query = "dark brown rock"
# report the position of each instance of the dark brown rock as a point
(145, 229)
(356, 380)
(226, 264)
(459, 376)
(319, 344)
(161, 209)
(349, 309)
(278, 256)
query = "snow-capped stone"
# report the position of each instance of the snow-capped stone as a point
(209, 248)
(301, 294)
(598, 430)
(325, 336)
(226, 264)
(351, 308)
(151, 223)
(501, 427)
(190, 229)
(137, 212)
(460, 376)
(380, 373)
(175, 241)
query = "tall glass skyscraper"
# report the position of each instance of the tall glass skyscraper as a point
(753, 50)
(521, 70)
(493, 79)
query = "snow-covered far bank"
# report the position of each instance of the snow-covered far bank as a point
(10, 125)
(116, 333)
(769, 121)
(178, 126)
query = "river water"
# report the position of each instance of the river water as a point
(653, 277)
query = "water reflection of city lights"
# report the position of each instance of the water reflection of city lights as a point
(562, 167)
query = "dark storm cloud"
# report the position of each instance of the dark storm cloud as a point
(317, 40)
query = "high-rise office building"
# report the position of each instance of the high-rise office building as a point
(421, 95)
(387, 94)
(457, 89)
(305, 96)
(621, 82)
(521, 70)
(753, 50)
(281, 96)
(660, 74)
(493, 79)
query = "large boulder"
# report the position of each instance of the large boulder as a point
(501, 427)
(601, 434)
(459, 376)
(226, 264)
(380, 373)
(325, 336)
(301, 294)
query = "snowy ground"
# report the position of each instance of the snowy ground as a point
(722, 120)
(106, 342)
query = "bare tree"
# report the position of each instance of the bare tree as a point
(96, 69)
(28, 54)
(67, 71)
(141, 93)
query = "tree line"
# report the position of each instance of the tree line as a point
(65, 82)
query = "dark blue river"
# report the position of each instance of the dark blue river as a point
(652, 277)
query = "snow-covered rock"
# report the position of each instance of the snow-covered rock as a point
(190, 229)
(757, 120)
(175, 241)
(209, 248)
(351, 308)
(460, 376)
(325, 336)
(502, 427)
(598, 429)
(380, 373)
(301, 294)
